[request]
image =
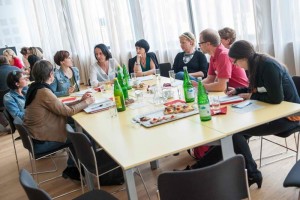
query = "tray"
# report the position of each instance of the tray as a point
(160, 113)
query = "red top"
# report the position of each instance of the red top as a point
(221, 66)
(17, 62)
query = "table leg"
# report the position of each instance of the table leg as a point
(227, 147)
(154, 164)
(130, 184)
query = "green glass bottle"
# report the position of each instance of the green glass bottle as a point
(126, 77)
(120, 77)
(119, 97)
(188, 88)
(203, 102)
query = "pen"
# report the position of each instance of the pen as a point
(226, 86)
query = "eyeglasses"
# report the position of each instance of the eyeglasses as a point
(201, 43)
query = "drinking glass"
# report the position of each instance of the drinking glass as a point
(157, 74)
(133, 78)
(215, 103)
(172, 76)
(138, 95)
(113, 111)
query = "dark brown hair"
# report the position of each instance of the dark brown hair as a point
(61, 56)
(13, 77)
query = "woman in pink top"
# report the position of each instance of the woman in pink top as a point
(12, 58)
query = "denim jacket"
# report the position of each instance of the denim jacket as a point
(61, 83)
(14, 104)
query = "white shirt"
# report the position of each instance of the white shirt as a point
(97, 74)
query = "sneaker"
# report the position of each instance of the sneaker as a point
(72, 173)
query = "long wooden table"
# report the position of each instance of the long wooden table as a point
(131, 145)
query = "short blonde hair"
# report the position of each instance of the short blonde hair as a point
(189, 36)
(9, 52)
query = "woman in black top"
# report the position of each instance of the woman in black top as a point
(270, 82)
(195, 61)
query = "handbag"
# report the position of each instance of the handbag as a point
(198, 152)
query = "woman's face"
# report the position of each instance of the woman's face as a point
(67, 62)
(243, 63)
(99, 55)
(8, 56)
(23, 81)
(185, 44)
(140, 50)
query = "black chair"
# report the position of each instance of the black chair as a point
(164, 69)
(35, 193)
(293, 177)
(285, 134)
(2, 93)
(226, 180)
(89, 159)
(10, 120)
(28, 144)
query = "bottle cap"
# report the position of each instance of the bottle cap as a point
(185, 67)
(199, 79)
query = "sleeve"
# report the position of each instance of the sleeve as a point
(131, 62)
(176, 66)
(54, 86)
(54, 105)
(203, 65)
(224, 67)
(12, 107)
(272, 82)
(77, 76)
(93, 76)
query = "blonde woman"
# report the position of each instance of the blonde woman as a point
(12, 58)
(195, 60)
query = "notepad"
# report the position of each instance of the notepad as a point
(99, 105)
(230, 99)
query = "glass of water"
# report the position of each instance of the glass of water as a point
(172, 76)
(157, 74)
(215, 103)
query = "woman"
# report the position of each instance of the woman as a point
(101, 72)
(195, 61)
(14, 100)
(12, 58)
(36, 51)
(227, 36)
(66, 78)
(46, 115)
(25, 52)
(144, 63)
(270, 82)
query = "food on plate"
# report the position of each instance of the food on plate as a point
(129, 101)
(155, 120)
(144, 119)
(178, 108)
(139, 86)
(167, 85)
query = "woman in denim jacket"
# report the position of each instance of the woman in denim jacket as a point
(67, 78)
(14, 100)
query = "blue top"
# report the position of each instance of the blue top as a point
(14, 103)
(62, 83)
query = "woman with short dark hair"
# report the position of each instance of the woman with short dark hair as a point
(46, 115)
(66, 78)
(14, 100)
(270, 82)
(144, 63)
(100, 71)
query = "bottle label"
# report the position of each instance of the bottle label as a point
(190, 93)
(118, 101)
(204, 110)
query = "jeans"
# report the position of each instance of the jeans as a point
(44, 146)
(180, 75)
(241, 146)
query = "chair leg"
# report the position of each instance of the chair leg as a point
(17, 161)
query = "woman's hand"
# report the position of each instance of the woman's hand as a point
(138, 58)
(71, 89)
(86, 95)
(230, 91)
(90, 100)
(245, 95)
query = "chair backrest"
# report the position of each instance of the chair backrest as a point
(10, 120)
(31, 188)
(84, 150)
(24, 135)
(293, 177)
(2, 93)
(164, 69)
(296, 80)
(224, 180)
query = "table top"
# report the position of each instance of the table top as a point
(132, 145)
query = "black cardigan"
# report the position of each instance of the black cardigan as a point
(132, 61)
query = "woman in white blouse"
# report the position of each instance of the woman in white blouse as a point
(101, 72)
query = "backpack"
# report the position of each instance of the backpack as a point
(106, 163)
(198, 152)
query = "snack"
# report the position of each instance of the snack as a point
(144, 119)
(129, 101)
(167, 85)
(139, 86)
(178, 108)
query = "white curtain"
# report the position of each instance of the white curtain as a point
(278, 31)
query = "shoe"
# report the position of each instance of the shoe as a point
(72, 173)
(256, 178)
